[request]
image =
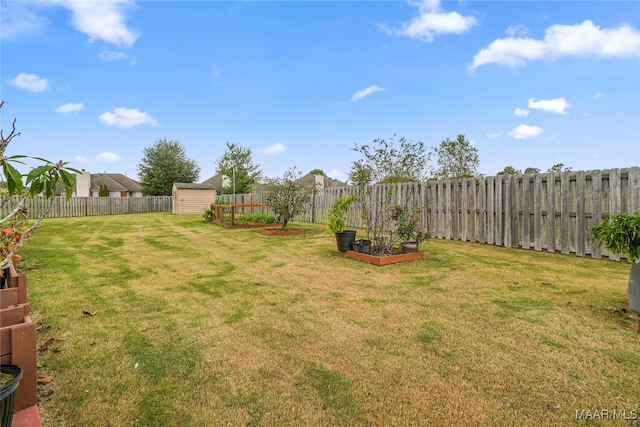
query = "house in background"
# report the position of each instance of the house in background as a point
(219, 182)
(320, 182)
(119, 185)
(192, 198)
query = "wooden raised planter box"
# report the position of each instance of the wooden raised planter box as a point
(18, 344)
(248, 225)
(384, 259)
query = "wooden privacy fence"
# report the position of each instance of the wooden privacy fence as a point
(59, 207)
(255, 197)
(551, 211)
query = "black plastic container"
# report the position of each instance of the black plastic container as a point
(8, 394)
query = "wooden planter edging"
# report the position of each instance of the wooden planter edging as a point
(250, 225)
(280, 232)
(16, 293)
(384, 260)
(18, 343)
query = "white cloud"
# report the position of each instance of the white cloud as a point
(108, 157)
(582, 40)
(69, 108)
(30, 82)
(110, 55)
(516, 30)
(18, 18)
(521, 112)
(336, 174)
(431, 21)
(558, 105)
(525, 131)
(494, 135)
(598, 95)
(275, 148)
(127, 117)
(101, 20)
(81, 159)
(366, 92)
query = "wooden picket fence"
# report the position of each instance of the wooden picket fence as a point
(59, 207)
(551, 211)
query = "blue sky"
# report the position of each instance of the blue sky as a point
(530, 83)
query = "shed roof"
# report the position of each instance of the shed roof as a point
(187, 186)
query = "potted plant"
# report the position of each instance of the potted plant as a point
(620, 234)
(208, 214)
(336, 220)
(407, 228)
(10, 376)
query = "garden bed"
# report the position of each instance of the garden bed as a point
(249, 225)
(384, 259)
(275, 231)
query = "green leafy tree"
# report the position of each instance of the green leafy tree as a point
(103, 191)
(457, 159)
(163, 164)
(236, 162)
(40, 180)
(318, 172)
(559, 167)
(390, 161)
(287, 196)
(532, 171)
(510, 170)
(386, 162)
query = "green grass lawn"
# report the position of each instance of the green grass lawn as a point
(191, 324)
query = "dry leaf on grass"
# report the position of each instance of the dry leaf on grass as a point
(88, 313)
(44, 379)
(45, 345)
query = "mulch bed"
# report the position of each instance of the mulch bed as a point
(280, 232)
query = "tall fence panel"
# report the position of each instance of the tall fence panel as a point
(551, 212)
(60, 207)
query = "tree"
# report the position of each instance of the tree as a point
(287, 196)
(317, 172)
(163, 164)
(236, 163)
(532, 171)
(559, 167)
(385, 162)
(457, 159)
(103, 191)
(510, 170)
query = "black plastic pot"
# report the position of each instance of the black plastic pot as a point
(345, 240)
(8, 394)
(409, 247)
(362, 246)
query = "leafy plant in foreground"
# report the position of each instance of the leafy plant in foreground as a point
(40, 180)
(620, 234)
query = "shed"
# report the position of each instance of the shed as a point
(192, 198)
